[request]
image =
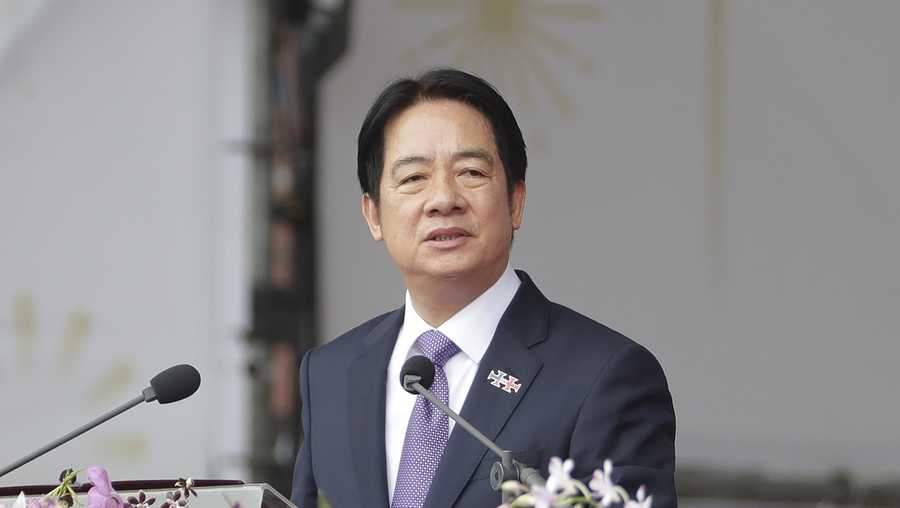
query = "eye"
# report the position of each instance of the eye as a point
(474, 173)
(412, 179)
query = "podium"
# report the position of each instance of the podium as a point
(210, 493)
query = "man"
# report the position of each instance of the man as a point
(441, 164)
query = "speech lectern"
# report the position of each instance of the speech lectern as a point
(210, 493)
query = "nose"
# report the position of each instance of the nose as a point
(445, 197)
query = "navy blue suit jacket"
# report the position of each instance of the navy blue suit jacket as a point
(588, 393)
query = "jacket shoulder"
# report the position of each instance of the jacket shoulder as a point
(576, 332)
(567, 330)
(352, 339)
(578, 327)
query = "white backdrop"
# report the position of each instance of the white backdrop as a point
(123, 220)
(733, 210)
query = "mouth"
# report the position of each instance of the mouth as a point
(446, 235)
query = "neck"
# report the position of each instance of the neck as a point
(436, 301)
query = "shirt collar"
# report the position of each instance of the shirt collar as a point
(473, 327)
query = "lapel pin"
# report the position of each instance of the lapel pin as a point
(504, 381)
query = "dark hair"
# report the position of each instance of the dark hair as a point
(449, 84)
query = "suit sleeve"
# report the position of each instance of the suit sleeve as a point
(304, 492)
(629, 418)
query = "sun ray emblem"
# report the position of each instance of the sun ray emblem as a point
(89, 382)
(513, 42)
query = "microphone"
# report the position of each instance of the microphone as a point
(173, 384)
(170, 385)
(417, 376)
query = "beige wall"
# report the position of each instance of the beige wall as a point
(123, 219)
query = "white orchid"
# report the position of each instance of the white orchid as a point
(603, 486)
(543, 497)
(560, 481)
(562, 490)
(21, 502)
(640, 500)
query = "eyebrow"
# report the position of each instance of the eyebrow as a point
(406, 161)
(470, 153)
(475, 153)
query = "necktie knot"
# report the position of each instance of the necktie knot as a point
(437, 347)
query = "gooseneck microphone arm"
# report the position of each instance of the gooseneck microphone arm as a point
(504, 470)
(72, 435)
(412, 381)
(170, 385)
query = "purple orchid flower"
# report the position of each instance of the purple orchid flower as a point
(39, 502)
(102, 494)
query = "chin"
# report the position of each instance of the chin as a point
(450, 272)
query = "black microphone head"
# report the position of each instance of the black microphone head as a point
(420, 367)
(175, 383)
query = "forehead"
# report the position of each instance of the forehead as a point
(434, 126)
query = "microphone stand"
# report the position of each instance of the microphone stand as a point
(147, 395)
(506, 468)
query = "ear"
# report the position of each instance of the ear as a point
(373, 219)
(517, 204)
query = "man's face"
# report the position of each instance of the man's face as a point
(444, 210)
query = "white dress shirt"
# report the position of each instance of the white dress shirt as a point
(471, 329)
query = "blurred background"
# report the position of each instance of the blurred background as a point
(712, 178)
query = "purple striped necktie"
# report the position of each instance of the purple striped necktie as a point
(427, 430)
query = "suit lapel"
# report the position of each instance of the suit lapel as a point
(368, 375)
(488, 408)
